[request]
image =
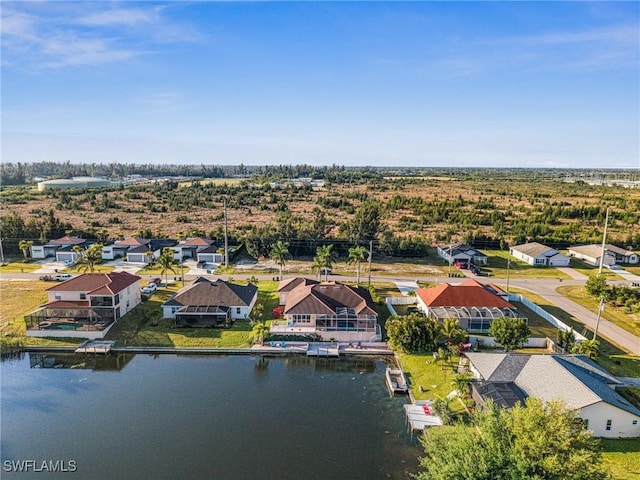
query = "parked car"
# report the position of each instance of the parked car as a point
(149, 288)
(61, 277)
(157, 281)
(46, 278)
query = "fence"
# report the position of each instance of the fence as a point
(405, 300)
(544, 314)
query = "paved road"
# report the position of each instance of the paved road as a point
(544, 287)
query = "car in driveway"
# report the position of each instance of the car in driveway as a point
(149, 288)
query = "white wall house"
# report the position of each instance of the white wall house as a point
(591, 254)
(578, 382)
(539, 255)
(208, 303)
(85, 306)
(458, 252)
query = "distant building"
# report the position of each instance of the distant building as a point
(612, 254)
(458, 252)
(539, 255)
(61, 248)
(75, 182)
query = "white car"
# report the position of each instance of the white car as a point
(149, 288)
(61, 277)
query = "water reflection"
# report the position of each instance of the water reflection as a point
(110, 362)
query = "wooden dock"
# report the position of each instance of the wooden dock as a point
(95, 346)
(323, 350)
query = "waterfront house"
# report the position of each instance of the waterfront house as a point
(474, 305)
(85, 306)
(286, 286)
(612, 254)
(458, 252)
(206, 303)
(539, 255)
(331, 310)
(581, 384)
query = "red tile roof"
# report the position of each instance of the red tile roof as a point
(132, 242)
(97, 283)
(468, 294)
(197, 242)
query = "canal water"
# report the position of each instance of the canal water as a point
(201, 417)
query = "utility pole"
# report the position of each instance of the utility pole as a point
(226, 240)
(600, 309)
(450, 248)
(508, 267)
(370, 259)
(1, 252)
(604, 242)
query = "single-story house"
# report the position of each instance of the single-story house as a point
(205, 303)
(580, 383)
(145, 251)
(331, 310)
(85, 306)
(209, 254)
(539, 255)
(457, 252)
(474, 305)
(591, 254)
(286, 286)
(61, 248)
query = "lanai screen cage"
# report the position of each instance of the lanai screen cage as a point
(473, 319)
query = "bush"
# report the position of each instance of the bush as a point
(277, 312)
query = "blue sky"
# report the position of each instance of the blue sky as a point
(495, 84)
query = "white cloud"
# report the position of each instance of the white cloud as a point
(38, 36)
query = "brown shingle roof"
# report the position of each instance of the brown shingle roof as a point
(66, 240)
(467, 294)
(326, 298)
(292, 283)
(97, 283)
(205, 292)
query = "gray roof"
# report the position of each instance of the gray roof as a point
(575, 379)
(204, 292)
(535, 249)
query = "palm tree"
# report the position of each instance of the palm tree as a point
(462, 382)
(590, 348)
(451, 331)
(325, 257)
(25, 245)
(89, 258)
(167, 263)
(357, 256)
(280, 254)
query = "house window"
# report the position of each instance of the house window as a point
(238, 310)
(586, 423)
(608, 424)
(58, 296)
(635, 422)
(83, 296)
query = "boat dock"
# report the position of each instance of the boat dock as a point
(95, 346)
(420, 415)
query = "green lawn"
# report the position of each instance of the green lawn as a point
(155, 270)
(635, 270)
(611, 357)
(498, 263)
(586, 269)
(96, 269)
(19, 298)
(540, 328)
(20, 267)
(421, 370)
(616, 315)
(622, 457)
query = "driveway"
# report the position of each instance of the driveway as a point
(122, 266)
(406, 286)
(49, 267)
(572, 273)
